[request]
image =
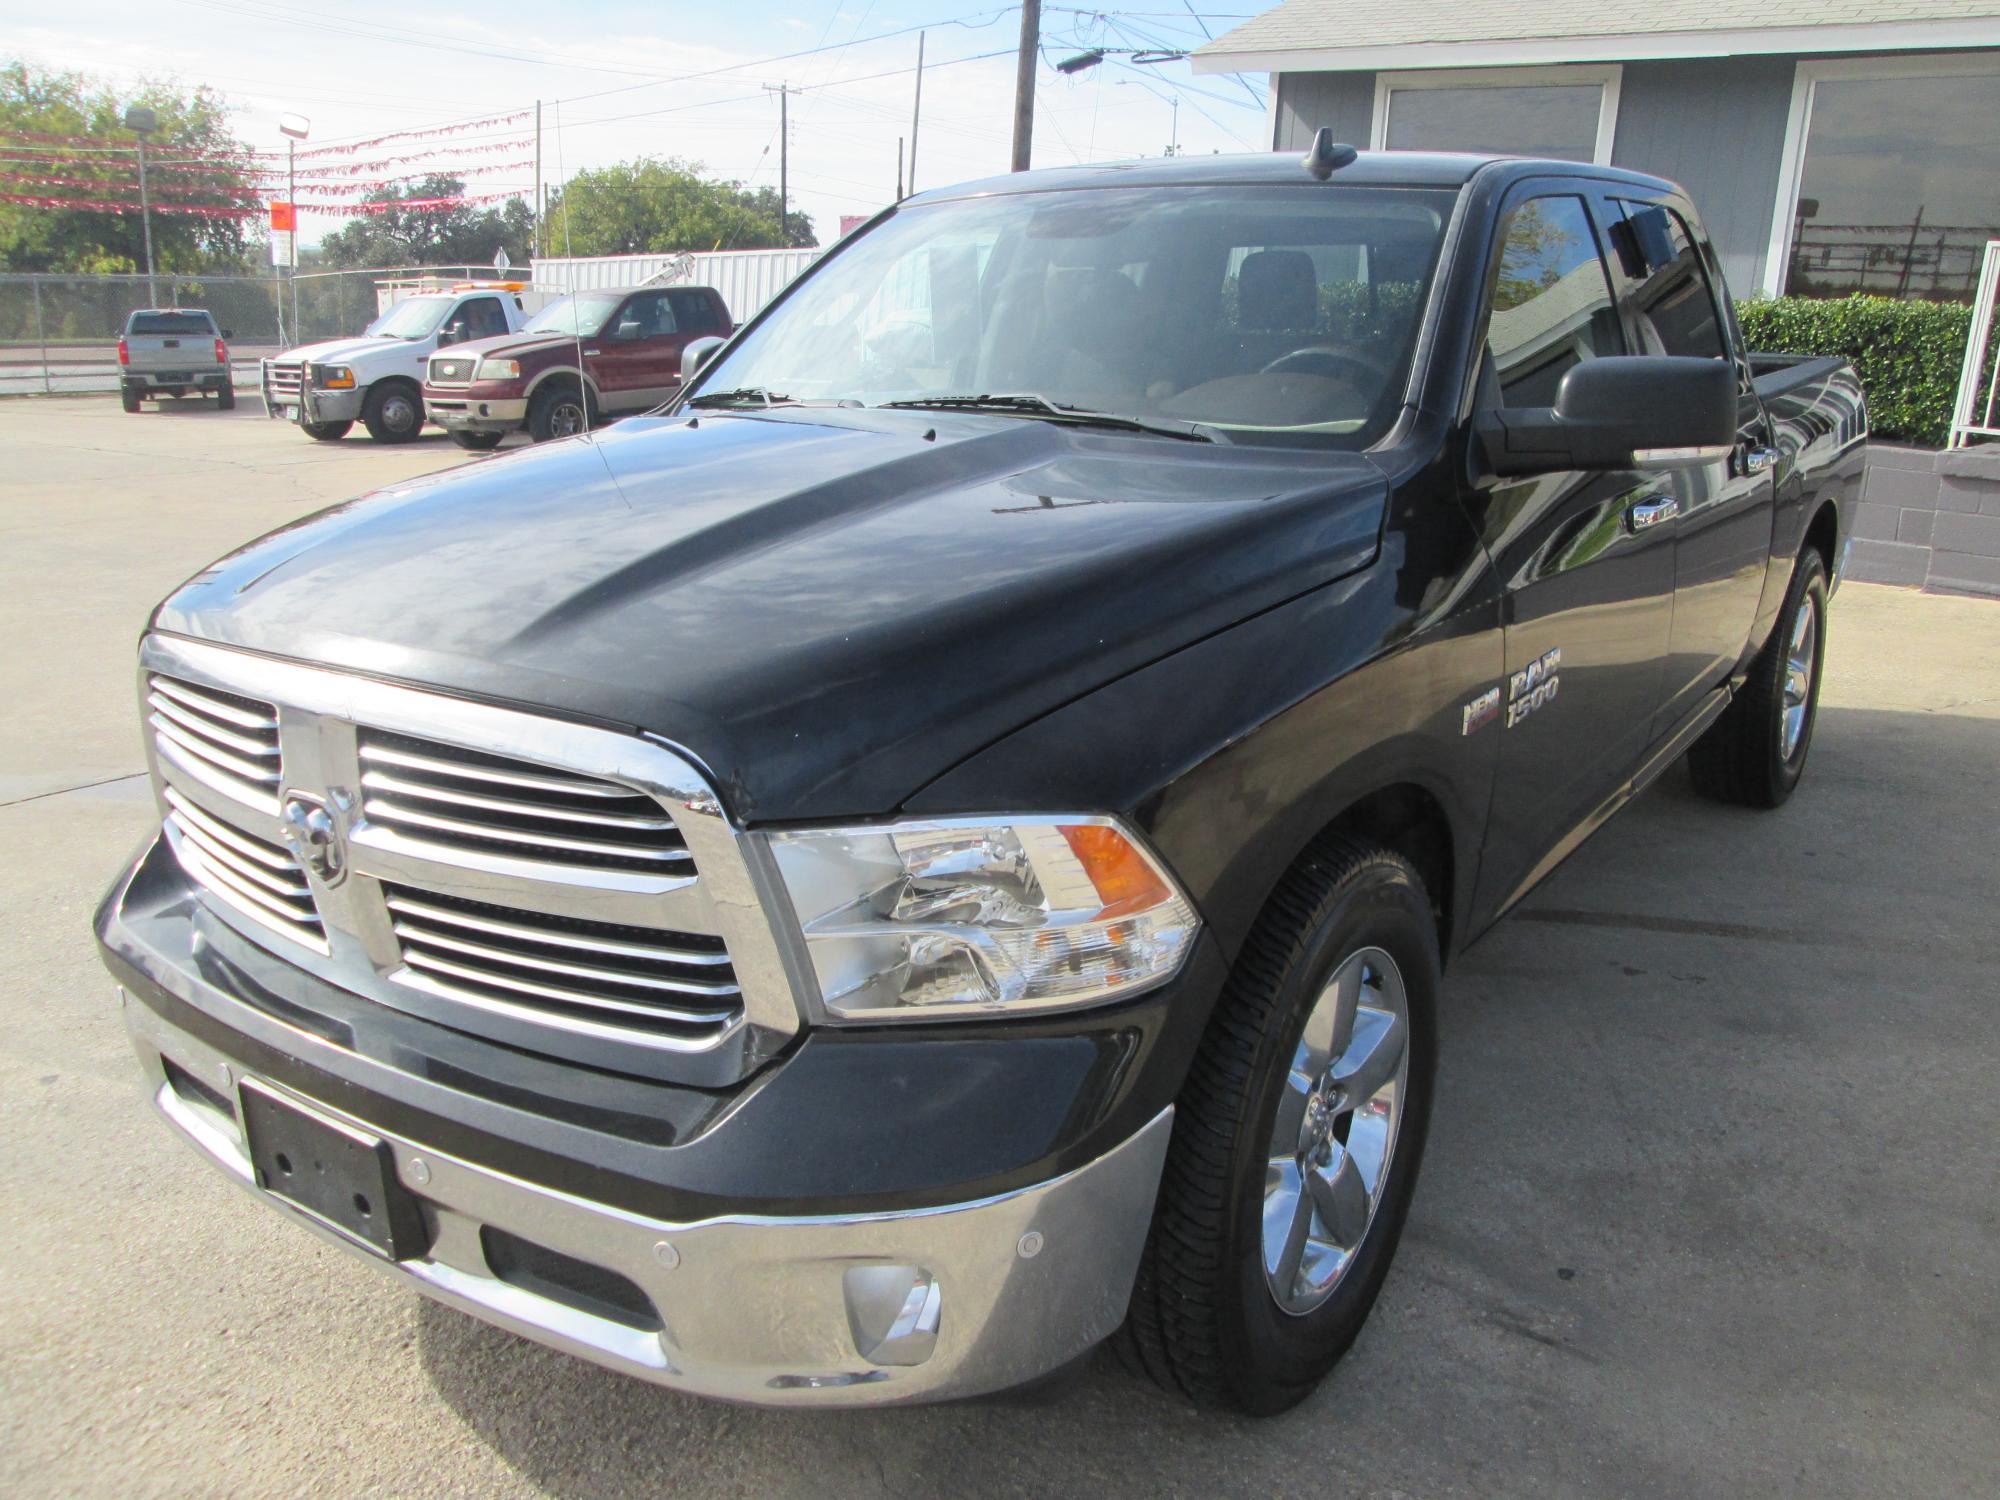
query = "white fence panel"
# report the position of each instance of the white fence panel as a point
(747, 279)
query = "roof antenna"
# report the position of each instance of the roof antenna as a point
(1327, 155)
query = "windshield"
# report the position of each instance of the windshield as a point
(412, 318)
(1282, 313)
(582, 315)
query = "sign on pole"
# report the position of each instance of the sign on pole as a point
(284, 234)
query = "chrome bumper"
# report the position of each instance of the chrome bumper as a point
(316, 406)
(830, 1310)
(476, 413)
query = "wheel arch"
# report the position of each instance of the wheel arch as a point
(563, 373)
(1823, 531)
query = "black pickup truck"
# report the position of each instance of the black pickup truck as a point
(941, 848)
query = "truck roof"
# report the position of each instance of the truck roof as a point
(1368, 169)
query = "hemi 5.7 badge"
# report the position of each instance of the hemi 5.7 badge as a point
(1532, 686)
(1480, 712)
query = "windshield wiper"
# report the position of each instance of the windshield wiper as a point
(755, 393)
(1031, 405)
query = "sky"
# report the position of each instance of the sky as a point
(615, 80)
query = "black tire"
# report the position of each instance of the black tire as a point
(1204, 1322)
(553, 412)
(225, 399)
(326, 432)
(393, 412)
(477, 442)
(1744, 757)
(128, 397)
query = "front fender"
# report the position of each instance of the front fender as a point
(1233, 754)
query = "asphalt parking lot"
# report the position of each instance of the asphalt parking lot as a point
(1712, 1205)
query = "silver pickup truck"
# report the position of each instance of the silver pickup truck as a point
(174, 351)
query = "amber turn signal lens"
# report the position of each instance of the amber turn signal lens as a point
(1125, 880)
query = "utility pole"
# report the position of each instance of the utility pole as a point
(1024, 83)
(899, 169)
(538, 180)
(784, 91)
(294, 128)
(142, 122)
(292, 197)
(916, 113)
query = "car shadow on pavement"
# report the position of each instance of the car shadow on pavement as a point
(1639, 1259)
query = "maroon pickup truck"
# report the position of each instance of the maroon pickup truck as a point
(593, 354)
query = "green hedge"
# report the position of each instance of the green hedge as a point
(1907, 353)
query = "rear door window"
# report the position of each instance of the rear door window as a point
(694, 312)
(1673, 305)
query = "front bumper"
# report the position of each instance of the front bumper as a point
(456, 411)
(315, 406)
(806, 1260)
(861, 1310)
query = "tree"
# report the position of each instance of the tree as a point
(203, 165)
(458, 234)
(657, 204)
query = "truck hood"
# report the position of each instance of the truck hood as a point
(340, 351)
(826, 609)
(511, 344)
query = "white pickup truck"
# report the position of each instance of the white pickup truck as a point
(377, 378)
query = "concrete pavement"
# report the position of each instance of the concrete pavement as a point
(1710, 1205)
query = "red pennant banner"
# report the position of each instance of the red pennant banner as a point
(419, 135)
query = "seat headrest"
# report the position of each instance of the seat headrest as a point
(1277, 289)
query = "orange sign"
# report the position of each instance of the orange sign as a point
(284, 217)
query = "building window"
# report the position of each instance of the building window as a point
(1893, 180)
(1563, 112)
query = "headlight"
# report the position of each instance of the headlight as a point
(333, 377)
(499, 369)
(917, 921)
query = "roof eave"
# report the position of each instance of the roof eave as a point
(1220, 56)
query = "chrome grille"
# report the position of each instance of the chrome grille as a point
(256, 878)
(285, 377)
(222, 740)
(466, 799)
(566, 890)
(599, 975)
(451, 371)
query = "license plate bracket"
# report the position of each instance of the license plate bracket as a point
(343, 1177)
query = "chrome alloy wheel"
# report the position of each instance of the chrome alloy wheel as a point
(566, 418)
(1799, 653)
(1335, 1134)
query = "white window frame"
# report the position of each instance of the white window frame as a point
(1798, 126)
(1609, 77)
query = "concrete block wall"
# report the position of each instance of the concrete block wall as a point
(1929, 519)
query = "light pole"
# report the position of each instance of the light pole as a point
(143, 122)
(294, 128)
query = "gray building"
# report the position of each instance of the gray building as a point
(1832, 145)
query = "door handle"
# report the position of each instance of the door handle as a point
(1758, 460)
(1642, 515)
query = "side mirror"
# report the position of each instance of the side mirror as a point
(1627, 411)
(451, 333)
(698, 352)
(229, 333)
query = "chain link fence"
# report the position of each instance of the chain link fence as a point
(60, 333)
